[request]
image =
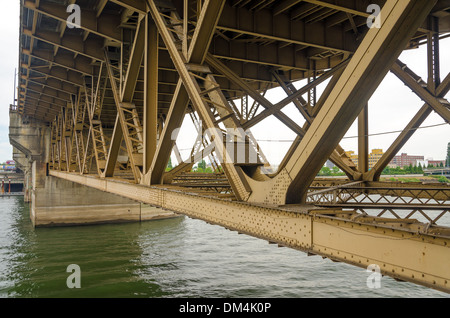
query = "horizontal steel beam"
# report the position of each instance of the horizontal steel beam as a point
(66, 60)
(397, 250)
(53, 83)
(394, 206)
(106, 26)
(90, 48)
(256, 24)
(58, 73)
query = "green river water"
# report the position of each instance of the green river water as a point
(178, 257)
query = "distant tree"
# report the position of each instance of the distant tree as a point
(202, 165)
(443, 179)
(419, 168)
(441, 165)
(169, 164)
(325, 171)
(335, 171)
(404, 170)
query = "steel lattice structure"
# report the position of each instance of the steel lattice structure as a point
(115, 88)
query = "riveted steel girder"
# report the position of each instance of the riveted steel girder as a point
(204, 31)
(405, 252)
(365, 71)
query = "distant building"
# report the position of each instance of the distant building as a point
(353, 156)
(374, 156)
(430, 162)
(399, 161)
(405, 160)
(329, 164)
(436, 163)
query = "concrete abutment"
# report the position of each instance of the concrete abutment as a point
(58, 202)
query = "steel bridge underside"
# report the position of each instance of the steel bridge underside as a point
(115, 88)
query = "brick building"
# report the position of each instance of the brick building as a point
(436, 163)
(405, 160)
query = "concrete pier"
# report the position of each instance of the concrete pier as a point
(58, 202)
(63, 203)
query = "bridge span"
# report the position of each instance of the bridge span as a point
(438, 172)
(105, 85)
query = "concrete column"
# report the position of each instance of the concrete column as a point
(58, 202)
(27, 185)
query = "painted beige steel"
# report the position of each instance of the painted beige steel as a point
(234, 174)
(58, 202)
(247, 47)
(150, 121)
(202, 37)
(406, 256)
(379, 49)
(405, 253)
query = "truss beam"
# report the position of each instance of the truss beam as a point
(407, 77)
(105, 26)
(177, 110)
(234, 174)
(333, 233)
(365, 71)
(413, 125)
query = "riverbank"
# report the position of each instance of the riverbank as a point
(414, 178)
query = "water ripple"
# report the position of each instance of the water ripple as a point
(178, 257)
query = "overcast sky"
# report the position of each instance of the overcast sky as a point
(390, 108)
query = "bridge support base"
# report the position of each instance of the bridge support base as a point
(57, 202)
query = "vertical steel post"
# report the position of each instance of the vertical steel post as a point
(151, 92)
(363, 140)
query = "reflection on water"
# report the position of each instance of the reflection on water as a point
(168, 258)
